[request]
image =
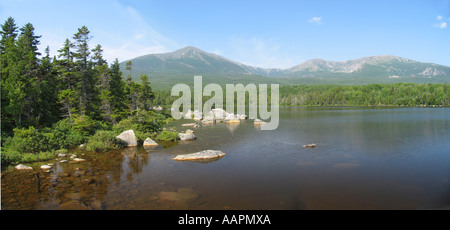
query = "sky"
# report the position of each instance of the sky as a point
(262, 33)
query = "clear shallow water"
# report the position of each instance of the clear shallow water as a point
(394, 158)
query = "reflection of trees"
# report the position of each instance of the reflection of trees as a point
(137, 160)
(71, 185)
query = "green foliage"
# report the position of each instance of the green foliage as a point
(104, 141)
(400, 94)
(12, 157)
(29, 140)
(167, 136)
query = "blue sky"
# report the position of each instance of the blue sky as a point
(275, 34)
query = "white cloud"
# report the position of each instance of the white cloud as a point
(439, 17)
(441, 25)
(316, 20)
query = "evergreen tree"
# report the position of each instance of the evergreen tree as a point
(86, 82)
(145, 95)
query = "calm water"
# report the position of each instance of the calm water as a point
(365, 159)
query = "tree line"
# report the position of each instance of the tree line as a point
(399, 94)
(76, 97)
(78, 81)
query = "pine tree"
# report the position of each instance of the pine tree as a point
(145, 94)
(117, 87)
(7, 55)
(66, 71)
(86, 83)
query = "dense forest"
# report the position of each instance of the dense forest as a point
(50, 103)
(399, 94)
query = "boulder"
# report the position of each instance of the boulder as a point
(186, 136)
(189, 114)
(219, 114)
(230, 116)
(78, 159)
(129, 138)
(149, 142)
(23, 167)
(189, 131)
(259, 122)
(203, 155)
(46, 167)
(208, 120)
(188, 125)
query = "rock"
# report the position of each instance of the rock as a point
(78, 159)
(310, 146)
(230, 116)
(234, 121)
(46, 167)
(203, 155)
(63, 161)
(82, 146)
(189, 114)
(62, 155)
(23, 167)
(186, 136)
(219, 113)
(73, 156)
(243, 117)
(196, 126)
(259, 122)
(198, 115)
(208, 120)
(188, 125)
(129, 138)
(189, 131)
(149, 142)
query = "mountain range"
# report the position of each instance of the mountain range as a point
(180, 66)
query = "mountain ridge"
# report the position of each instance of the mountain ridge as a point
(373, 69)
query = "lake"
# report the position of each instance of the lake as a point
(366, 158)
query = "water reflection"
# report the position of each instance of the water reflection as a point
(364, 159)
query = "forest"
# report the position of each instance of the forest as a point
(51, 103)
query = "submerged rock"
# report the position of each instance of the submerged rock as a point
(150, 142)
(46, 167)
(186, 136)
(189, 131)
(78, 159)
(23, 167)
(203, 155)
(129, 138)
(188, 125)
(310, 146)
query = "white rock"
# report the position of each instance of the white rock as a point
(46, 167)
(23, 167)
(78, 159)
(150, 142)
(186, 136)
(203, 155)
(189, 131)
(129, 138)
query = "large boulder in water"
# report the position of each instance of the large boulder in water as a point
(129, 138)
(186, 136)
(149, 142)
(203, 155)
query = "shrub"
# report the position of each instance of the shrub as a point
(104, 141)
(167, 136)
